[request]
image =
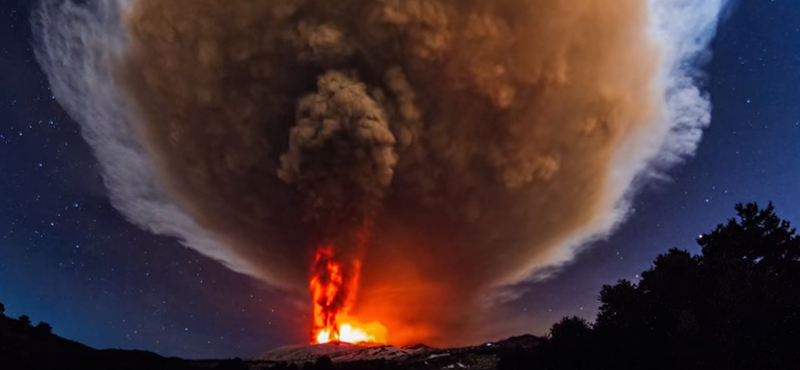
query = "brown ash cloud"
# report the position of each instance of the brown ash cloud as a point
(482, 143)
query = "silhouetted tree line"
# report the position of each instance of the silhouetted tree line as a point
(42, 327)
(736, 305)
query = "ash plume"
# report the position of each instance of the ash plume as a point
(481, 143)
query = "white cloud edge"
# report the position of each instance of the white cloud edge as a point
(82, 83)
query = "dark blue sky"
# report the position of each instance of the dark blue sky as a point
(68, 258)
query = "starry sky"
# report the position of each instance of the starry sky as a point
(68, 258)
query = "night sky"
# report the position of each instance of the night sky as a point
(68, 258)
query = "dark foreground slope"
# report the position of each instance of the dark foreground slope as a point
(23, 346)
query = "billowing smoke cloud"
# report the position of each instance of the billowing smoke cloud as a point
(483, 142)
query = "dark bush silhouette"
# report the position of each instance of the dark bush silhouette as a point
(44, 328)
(2, 308)
(235, 364)
(571, 330)
(323, 363)
(25, 320)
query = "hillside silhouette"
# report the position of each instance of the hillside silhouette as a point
(27, 347)
(736, 305)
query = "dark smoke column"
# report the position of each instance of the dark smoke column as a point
(341, 158)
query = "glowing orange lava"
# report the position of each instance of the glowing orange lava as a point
(333, 285)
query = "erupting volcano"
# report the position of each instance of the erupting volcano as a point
(482, 143)
(333, 287)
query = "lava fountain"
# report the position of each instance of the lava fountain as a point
(333, 288)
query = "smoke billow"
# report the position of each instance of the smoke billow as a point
(479, 143)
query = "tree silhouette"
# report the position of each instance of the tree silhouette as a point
(570, 345)
(2, 308)
(619, 303)
(750, 277)
(734, 306)
(758, 237)
(24, 319)
(44, 328)
(571, 329)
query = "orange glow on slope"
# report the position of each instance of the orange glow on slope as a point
(352, 332)
(333, 285)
